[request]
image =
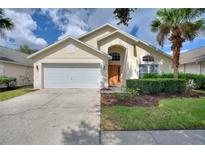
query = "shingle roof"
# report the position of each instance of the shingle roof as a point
(194, 55)
(15, 56)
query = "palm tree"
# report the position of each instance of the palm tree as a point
(5, 23)
(178, 25)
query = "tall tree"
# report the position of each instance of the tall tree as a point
(26, 49)
(5, 23)
(178, 25)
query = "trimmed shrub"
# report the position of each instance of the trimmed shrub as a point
(154, 86)
(7, 82)
(150, 76)
(199, 80)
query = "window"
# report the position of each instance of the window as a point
(115, 56)
(148, 58)
(148, 68)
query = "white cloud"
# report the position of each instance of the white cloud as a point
(69, 21)
(78, 21)
(22, 34)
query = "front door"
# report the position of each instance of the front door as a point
(114, 75)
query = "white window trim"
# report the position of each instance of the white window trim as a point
(149, 69)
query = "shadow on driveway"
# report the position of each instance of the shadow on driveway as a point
(85, 134)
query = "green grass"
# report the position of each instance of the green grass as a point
(5, 95)
(185, 113)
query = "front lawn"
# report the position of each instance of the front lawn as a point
(173, 113)
(14, 93)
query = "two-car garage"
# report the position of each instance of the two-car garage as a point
(69, 63)
(61, 75)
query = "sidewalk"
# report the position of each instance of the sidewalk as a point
(163, 137)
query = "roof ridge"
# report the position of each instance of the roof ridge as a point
(97, 28)
(14, 50)
(193, 50)
(8, 48)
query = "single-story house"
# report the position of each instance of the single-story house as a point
(105, 56)
(193, 61)
(14, 63)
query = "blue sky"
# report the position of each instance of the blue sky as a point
(39, 28)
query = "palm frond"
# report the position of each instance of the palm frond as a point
(190, 30)
(190, 14)
(155, 25)
(5, 23)
(164, 31)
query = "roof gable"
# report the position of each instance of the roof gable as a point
(91, 49)
(96, 30)
(118, 33)
(134, 39)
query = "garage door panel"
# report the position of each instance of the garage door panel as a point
(68, 76)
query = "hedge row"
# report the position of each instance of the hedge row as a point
(199, 80)
(153, 86)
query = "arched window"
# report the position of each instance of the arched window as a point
(148, 58)
(115, 56)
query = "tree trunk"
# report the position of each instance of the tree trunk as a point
(177, 40)
(176, 54)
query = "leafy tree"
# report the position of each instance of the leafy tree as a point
(26, 49)
(178, 25)
(123, 14)
(5, 23)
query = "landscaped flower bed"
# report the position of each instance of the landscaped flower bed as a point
(110, 99)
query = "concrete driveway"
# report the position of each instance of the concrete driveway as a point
(51, 116)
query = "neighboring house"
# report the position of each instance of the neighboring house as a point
(193, 61)
(103, 57)
(14, 63)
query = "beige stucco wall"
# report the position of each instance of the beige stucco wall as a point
(92, 38)
(192, 68)
(133, 56)
(72, 52)
(66, 52)
(165, 63)
(23, 74)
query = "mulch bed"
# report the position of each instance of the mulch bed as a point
(109, 99)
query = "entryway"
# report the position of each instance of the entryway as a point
(114, 75)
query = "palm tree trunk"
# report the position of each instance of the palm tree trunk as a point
(177, 40)
(176, 54)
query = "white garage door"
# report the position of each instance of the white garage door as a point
(72, 76)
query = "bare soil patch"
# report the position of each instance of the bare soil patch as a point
(110, 99)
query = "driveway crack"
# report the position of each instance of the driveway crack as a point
(33, 109)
